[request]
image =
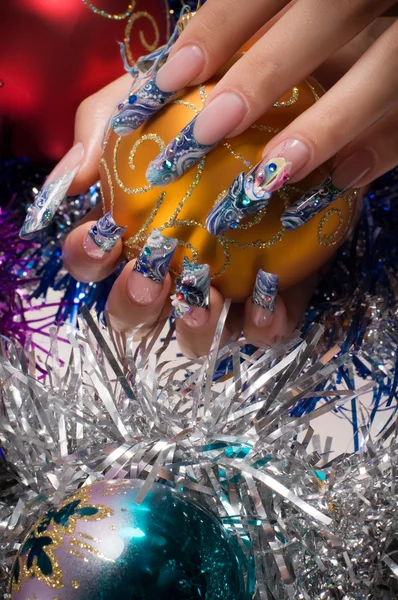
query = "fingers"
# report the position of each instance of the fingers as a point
(78, 169)
(268, 316)
(301, 40)
(316, 135)
(195, 331)
(92, 250)
(296, 44)
(370, 155)
(220, 29)
(136, 300)
(91, 119)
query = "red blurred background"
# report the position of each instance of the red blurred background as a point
(53, 54)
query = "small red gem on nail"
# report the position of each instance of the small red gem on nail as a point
(180, 297)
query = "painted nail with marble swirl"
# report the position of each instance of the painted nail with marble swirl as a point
(103, 236)
(159, 90)
(248, 194)
(192, 289)
(264, 298)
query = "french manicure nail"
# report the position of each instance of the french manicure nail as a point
(47, 201)
(155, 257)
(202, 134)
(343, 177)
(192, 289)
(103, 236)
(264, 298)
(248, 194)
(159, 90)
(141, 289)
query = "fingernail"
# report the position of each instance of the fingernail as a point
(264, 298)
(47, 201)
(342, 178)
(202, 134)
(154, 260)
(192, 290)
(103, 236)
(248, 194)
(159, 90)
(181, 68)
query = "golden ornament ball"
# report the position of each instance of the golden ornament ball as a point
(180, 209)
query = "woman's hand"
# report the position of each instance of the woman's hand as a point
(136, 300)
(356, 119)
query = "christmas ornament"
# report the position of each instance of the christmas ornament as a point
(179, 210)
(106, 541)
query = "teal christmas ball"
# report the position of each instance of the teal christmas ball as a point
(100, 544)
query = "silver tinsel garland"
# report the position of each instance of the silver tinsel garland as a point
(316, 528)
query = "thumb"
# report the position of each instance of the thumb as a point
(90, 121)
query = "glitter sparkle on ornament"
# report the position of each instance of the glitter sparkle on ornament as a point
(165, 547)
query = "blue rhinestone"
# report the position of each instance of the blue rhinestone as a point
(94, 230)
(167, 164)
(245, 201)
(147, 251)
(234, 225)
(143, 270)
(272, 167)
(132, 99)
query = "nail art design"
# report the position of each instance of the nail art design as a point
(140, 106)
(105, 233)
(177, 158)
(192, 288)
(155, 257)
(248, 194)
(309, 205)
(46, 204)
(265, 290)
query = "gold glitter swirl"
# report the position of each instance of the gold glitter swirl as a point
(141, 234)
(199, 171)
(56, 532)
(110, 185)
(187, 104)
(238, 156)
(265, 128)
(106, 15)
(337, 236)
(143, 138)
(224, 245)
(127, 34)
(255, 220)
(74, 541)
(120, 183)
(292, 100)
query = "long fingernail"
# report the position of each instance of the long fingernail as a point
(103, 236)
(151, 268)
(192, 289)
(47, 201)
(159, 90)
(264, 298)
(155, 258)
(202, 134)
(248, 194)
(344, 177)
